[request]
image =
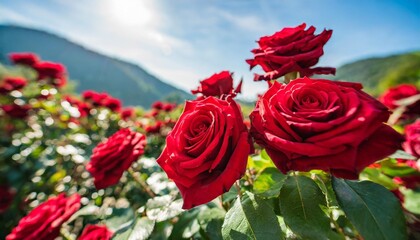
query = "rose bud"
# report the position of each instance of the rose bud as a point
(320, 124)
(29, 59)
(95, 232)
(207, 150)
(52, 71)
(6, 197)
(412, 139)
(115, 155)
(44, 221)
(217, 85)
(290, 50)
(11, 84)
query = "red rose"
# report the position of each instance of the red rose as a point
(127, 113)
(16, 111)
(412, 139)
(113, 104)
(321, 124)
(29, 59)
(217, 85)
(115, 155)
(82, 107)
(157, 105)
(6, 197)
(44, 222)
(12, 83)
(403, 91)
(50, 70)
(95, 232)
(207, 150)
(290, 50)
(154, 128)
(168, 107)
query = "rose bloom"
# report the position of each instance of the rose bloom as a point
(115, 155)
(44, 222)
(207, 150)
(320, 124)
(16, 111)
(6, 197)
(412, 139)
(95, 232)
(157, 105)
(113, 104)
(12, 83)
(290, 50)
(127, 113)
(390, 97)
(217, 85)
(29, 59)
(50, 70)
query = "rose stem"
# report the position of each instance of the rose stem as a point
(140, 181)
(238, 188)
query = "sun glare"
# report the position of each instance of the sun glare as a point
(130, 12)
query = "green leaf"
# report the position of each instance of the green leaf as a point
(269, 183)
(391, 168)
(120, 218)
(140, 231)
(187, 225)
(400, 154)
(260, 161)
(251, 217)
(374, 211)
(85, 211)
(211, 221)
(162, 208)
(301, 201)
(375, 175)
(412, 201)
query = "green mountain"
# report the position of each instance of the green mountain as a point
(378, 74)
(90, 70)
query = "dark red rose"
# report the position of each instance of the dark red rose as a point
(6, 197)
(12, 83)
(112, 103)
(412, 139)
(157, 105)
(290, 50)
(167, 107)
(115, 155)
(88, 94)
(207, 150)
(392, 97)
(95, 232)
(51, 71)
(127, 113)
(16, 111)
(217, 85)
(154, 128)
(29, 59)
(321, 124)
(44, 221)
(410, 182)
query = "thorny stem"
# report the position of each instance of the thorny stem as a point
(140, 181)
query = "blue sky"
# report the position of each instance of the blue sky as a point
(183, 41)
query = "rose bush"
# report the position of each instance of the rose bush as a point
(320, 124)
(44, 222)
(115, 155)
(207, 150)
(290, 50)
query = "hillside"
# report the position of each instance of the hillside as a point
(90, 70)
(378, 74)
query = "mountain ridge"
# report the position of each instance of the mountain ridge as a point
(135, 85)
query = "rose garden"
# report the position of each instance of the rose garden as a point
(313, 159)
